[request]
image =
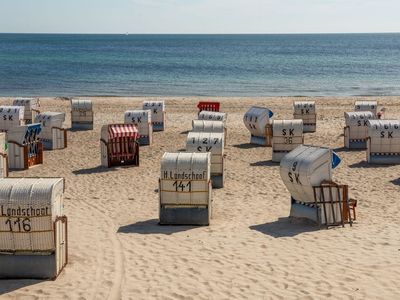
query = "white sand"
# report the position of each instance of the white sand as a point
(250, 250)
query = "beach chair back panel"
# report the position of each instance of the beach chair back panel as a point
(157, 110)
(203, 142)
(357, 122)
(141, 119)
(11, 116)
(306, 111)
(384, 136)
(185, 179)
(306, 167)
(366, 105)
(287, 135)
(28, 210)
(213, 116)
(304, 108)
(81, 111)
(208, 106)
(384, 140)
(48, 120)
(31, 108)
(256, 119)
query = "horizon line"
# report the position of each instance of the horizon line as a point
(194, 33)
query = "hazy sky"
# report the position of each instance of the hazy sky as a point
(199, 16)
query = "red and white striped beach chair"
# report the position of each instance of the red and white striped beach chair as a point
(119, 145)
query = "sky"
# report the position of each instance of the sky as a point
(199, 16)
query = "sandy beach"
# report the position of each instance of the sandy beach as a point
(250, 251)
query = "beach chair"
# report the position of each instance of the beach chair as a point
(306, 111)
(208, 106)
(185, 189)
(31, 105)
(119, 145)
(52, 135)
(286, 136)
(356, 129)
(24, 146)
(142, 120)
(34, 234)
(81, 114)
(258, 121)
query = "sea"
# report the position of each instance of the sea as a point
(199, 65)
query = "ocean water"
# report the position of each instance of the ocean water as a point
(207, 65)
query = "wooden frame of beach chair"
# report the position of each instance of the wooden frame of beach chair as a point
(328, 205)
(62, 258)
(4, 157)
(269, 133)
(208, 106)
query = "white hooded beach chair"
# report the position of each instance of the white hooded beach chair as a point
(53, 135)
(33, 228)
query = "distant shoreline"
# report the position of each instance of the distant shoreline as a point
(67, 97)
(206, 34)
(206, 98)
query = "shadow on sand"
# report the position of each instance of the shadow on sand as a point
(152, 227)
(185, 132)
(77, 130)
(264, 163)
(95, 170)
(341, 149)
(285, 227)
(396, 181)
(364, 164)
(248, 146)
(11, 285)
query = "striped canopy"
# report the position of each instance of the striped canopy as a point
(122, 130)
